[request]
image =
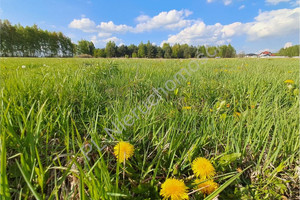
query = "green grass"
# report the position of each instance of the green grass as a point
(52, 110)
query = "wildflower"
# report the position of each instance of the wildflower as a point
(23, 66)
(207, 187)
(210, 110)
(123, 151)
(290, 87)
(228, 105)
(203, 168)
(289, 81)
(186, 108)
(239, 170)
(189, 83)
(252, 106)
(174, 189)
(237, 114)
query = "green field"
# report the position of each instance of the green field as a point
(238, 113)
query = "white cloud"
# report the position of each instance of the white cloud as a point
(287, 45)
(102, 42)
(110, 27)
(241, 7)
(199, 33)
(118, 41)
(103, 34)
(275, 2)
(226, 2)
(142, 18)
(269, 24)
(274, 23)
(84, 24)
(165, 20)
(170, 20)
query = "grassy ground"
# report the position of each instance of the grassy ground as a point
(237, 113)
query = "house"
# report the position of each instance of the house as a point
(251, 55)
(265, 54)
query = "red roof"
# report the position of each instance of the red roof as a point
(266, 52)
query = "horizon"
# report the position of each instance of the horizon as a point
(251, 27)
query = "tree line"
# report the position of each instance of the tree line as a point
(31, 41)
(149, 50)
(290, 51)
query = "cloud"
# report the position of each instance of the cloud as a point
(241, 7)
(142, 18)
(165, 20)
(170, 20)
(103, 34)
(114, 39)
(199, 33)
(110, 27)
(274, 23)
(275, 2)
(226, 2)
(84, 24)
(267, 25)
(102, 42)
(287, 45)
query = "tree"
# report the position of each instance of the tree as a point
(142, 50)
(177, 51)
(167, 50)
(160, 52)
(290, 51)
(151, 50)
(185, 51)
(122, 51)
(110, 49)
(132, 49)
(99, 53)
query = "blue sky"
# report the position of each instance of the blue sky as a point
(250, 26)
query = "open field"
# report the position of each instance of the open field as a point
(237, 113)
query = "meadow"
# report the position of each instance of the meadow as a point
(62, 120)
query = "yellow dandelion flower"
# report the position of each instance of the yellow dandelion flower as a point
(123, 151)
(186, 108)
(237, 114)
(207, 187)
(189, 83)
(289, 81)
(203, 168)
(210, 110)
(239, 170)
(174, 189)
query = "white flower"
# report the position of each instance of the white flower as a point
(23, 66)
(290, 87)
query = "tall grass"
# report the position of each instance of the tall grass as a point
(53, 110)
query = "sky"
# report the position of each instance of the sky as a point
(250, 26)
